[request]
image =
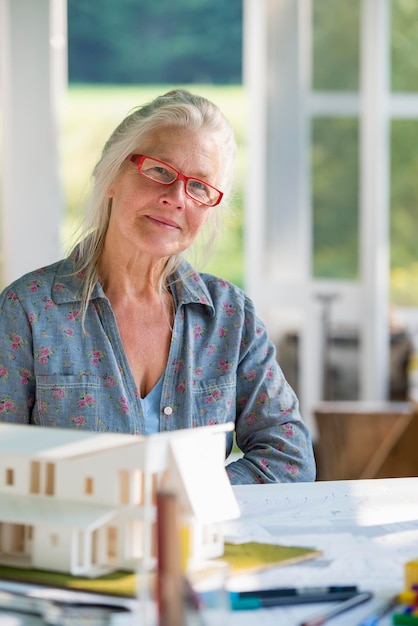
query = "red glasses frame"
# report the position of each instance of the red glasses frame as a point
(138, 159)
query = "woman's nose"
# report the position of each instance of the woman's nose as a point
(176, 193)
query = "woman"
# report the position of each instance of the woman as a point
(124, 335)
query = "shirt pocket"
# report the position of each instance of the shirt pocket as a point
(214, 401)
(68, 402)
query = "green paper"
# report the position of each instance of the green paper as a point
(118, 583)
(250, 557)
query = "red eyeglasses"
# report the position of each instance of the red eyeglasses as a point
(166, 174)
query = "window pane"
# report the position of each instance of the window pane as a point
(335, 198)
(404, 212)
(336, 32)
(404, 45)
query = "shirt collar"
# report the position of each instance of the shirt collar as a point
(186, 284)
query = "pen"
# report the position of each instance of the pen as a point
(263, 598)
(320, 619)
(384, 609)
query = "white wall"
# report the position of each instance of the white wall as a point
(32, 75)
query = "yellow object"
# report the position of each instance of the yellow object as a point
(244, 558)
(408, 597)
(185, 548)
(411, 573)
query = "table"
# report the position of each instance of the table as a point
(367, 530)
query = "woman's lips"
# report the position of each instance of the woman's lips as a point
(163, 221)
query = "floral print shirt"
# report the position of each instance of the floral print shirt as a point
(221, 367)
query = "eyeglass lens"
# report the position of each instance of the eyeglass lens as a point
(162, 173)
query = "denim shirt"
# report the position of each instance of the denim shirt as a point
(221, 367)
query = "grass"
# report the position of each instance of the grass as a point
(90, 115)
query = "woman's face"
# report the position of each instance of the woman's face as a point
(159, 220)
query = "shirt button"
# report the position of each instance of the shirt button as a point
(168, 410)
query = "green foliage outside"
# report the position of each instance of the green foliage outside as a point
(404, 212)
(404, 56)
(335, 190)
(336, 28)
(148, 42)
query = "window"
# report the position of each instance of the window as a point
(35, 473)
(112, 543)
(124, 487)
(88, 485)
(335, 190)
(335, 167)
(50, 479)
(10, 476)
(335, 139)
(18, 538)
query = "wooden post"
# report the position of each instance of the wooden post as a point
(169, 576)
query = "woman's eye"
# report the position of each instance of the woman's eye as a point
(161, 173)
(197, 185)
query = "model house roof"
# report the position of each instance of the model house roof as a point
(190, 462)
(58, 442)
(198, 474)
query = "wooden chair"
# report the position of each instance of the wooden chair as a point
(366, 440)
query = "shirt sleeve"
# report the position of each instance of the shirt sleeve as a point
(17, 380)
(275, 442)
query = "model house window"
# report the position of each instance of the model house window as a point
(18, 538)
(112, 537)
(50, 479)
(10, 476)
(94, 547)
(35, 472)
(124, 487)
(89, 485)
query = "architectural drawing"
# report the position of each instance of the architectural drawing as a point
(83, 503)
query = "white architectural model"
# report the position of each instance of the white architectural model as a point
(83, 503)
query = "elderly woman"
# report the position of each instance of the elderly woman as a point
(124, 336)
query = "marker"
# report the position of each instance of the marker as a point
(263, 598)
(373, 618)
(354, 601)
(404, 619)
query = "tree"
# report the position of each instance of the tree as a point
(150, 42)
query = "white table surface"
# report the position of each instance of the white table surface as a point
(367, 530)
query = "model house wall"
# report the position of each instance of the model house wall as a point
(84, 502)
